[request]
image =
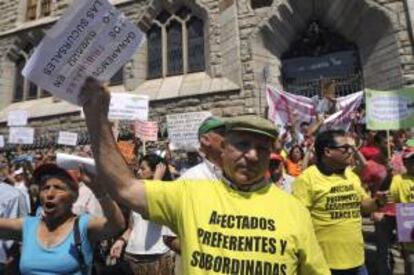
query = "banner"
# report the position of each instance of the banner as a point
(71, 162)
(405, 221)
(146, 130)
(390, 110)
(92, 38)
(1, 141)
(68, 138)
(183, 129)
(125, 106)
(21, 135)
(286, 108)
(17, 118)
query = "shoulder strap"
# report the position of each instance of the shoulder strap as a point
(78, 244)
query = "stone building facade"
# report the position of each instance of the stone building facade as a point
(245, 44)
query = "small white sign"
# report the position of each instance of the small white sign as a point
(68, 138)
(17, 118)
(21, 135)
(1, 141)
(146, 130)
(71, 162)
(183, 129)
(126, 106)
(92, 38)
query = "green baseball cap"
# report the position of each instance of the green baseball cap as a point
(410, 143)
(253, 124)
(209, 124)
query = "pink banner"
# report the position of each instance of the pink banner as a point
(146, 130)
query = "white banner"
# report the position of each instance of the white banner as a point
(21, 135)
(92, 38)
(183, 129)
(146, 130)
(17, 118)
(71, 162)
(287, 108)
(68, 138)
(125, 106)
(1, 141)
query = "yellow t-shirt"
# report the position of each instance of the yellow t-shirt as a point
(335, 205)
(402, 188)
(224, 231)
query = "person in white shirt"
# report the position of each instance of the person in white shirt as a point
(86, 202)
(277, 174)
(210, 135)
(20, 184)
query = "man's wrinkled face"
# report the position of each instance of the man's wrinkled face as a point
(246, 156)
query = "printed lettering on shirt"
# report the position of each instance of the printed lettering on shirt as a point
(343, 202)
(240, 243)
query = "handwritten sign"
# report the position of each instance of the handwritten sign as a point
(92, 38)
(126, 106)
(68, 138)
(405, 221)
(1, 141)
(21, 135)
(17, 118)
(183, 129)
(146, 130)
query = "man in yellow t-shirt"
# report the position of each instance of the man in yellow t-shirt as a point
(333, 194)
(402, 191)
(239, 224)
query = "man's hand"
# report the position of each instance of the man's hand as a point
(160, 171)
(95, 98)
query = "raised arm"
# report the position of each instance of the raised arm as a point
(119, 180)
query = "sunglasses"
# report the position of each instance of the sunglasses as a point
(344, 148)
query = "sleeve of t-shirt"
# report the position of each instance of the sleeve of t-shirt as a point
(164, 202)
(303, 191)
(360, 190)
(311, 259)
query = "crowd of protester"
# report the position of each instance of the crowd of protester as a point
(37, 198)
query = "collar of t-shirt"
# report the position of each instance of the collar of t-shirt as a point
(251, 188)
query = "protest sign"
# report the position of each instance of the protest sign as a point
(390, 110)
(183, 129)
(92, 38)
(17, 118)
(127, 150)
(146, 130)
(21, 135)
(126, 106)
(72, 162)
(405, 221)
(68, 138)
(1, 141)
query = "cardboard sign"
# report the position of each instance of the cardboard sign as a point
(183, 130)
(126, 106)
(21, 135)
(17, 118)
(1, 141)
(71, 162)
(68, 138)
(127, 150)
(92, 38)
(146, 130)
(405, 221)
(390, 110)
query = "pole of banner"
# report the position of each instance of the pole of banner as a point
(388, 144)
(144, 149)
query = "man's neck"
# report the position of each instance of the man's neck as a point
(329, 170)
(247, 187)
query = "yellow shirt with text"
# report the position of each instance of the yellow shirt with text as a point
(224, 231)
(402, 188)
(334, 202)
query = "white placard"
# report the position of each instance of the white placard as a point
(21, 135)
(146, 130)
(92, 38)
(183, 129)
(68, 138)
(126, 106)
(1, 141)
(71, 162)
(17, 118)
